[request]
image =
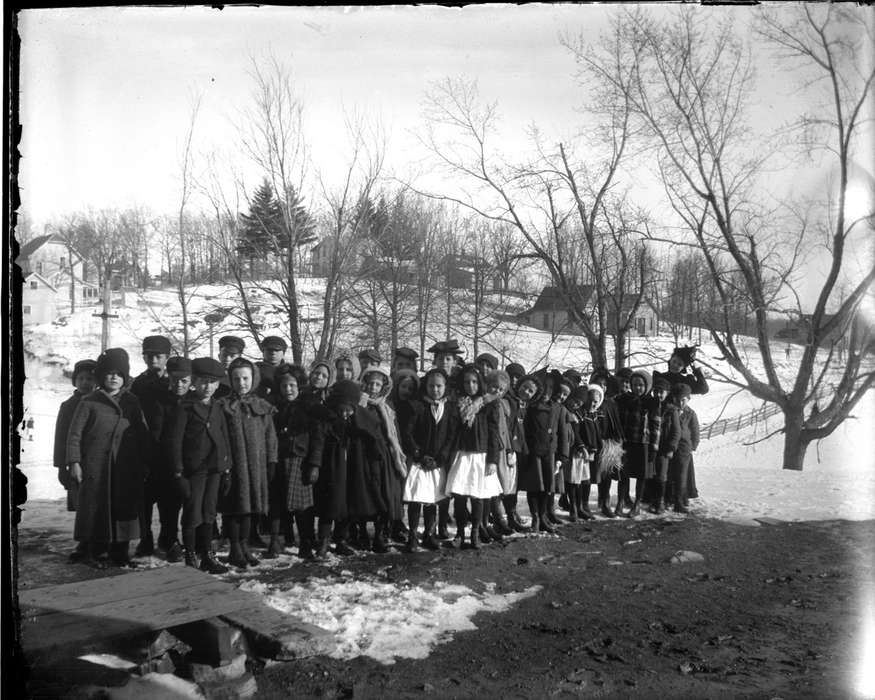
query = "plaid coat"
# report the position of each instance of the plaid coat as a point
(641, 420)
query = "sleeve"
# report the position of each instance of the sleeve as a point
(699, 384)
(62, 427)
(408, 432)
(78, 425)
(177, 432)
(317, 443)
(561, 446)
(493, 437)
(271, 442)
(672, 431)
(694, 430)
(450, 439)
(654, 426)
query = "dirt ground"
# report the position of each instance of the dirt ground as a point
(773, 611)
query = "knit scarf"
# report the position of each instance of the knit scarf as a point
(469, 407)
(387, 415)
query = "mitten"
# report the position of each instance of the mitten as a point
(183, 487)
(428, 463)
(491, 468)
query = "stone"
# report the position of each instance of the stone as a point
(239, 689)
(683, 556)
(210, 639)
(204, 673)
(160, 664)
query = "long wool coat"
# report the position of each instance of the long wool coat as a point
(253, 446)
(62, 427)
(108, 438)
(349, 455)
(546, 444)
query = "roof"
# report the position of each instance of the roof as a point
(552, 299)
(41, 279)
(33, 245)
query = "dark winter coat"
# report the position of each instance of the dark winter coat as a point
(608, 418)
(482, 434)
(62, 427)
(669, 428)
(349, 457)
(585, 434)
(543, 437)
(516, 421)
(152, 392)
(640, 419)
(199, 440)
(426, 438)
(107, 437)
(688, 424)
(253, 447)
(293, 423)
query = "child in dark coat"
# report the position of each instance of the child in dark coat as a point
(290, 497)
(688, 423)
(200, 449)
(669, 435)
(344, 464)
(609, 458)
(253, 459)
(83, 381)
(428, 440)
(105, 448)
(640, 418)
(585, 444)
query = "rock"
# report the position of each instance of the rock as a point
(427, 688)
(203, 673)
(164, 642)
(243, 687)
(684, 557)
(161, 664)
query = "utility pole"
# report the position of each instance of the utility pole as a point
(105, 315)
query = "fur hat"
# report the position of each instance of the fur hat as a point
(343, 392)
(83, 366)
(156, 343)
(113, 360)
(182, 365)
(207, 367)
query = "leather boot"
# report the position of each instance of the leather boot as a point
(191, 559)
(211, 565)
(475, 537)
(236, 556)
(146, 546)
(251, 559)
(274, 549)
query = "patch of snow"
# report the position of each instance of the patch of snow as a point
(382, 620)
(156, 686)
(108, 660)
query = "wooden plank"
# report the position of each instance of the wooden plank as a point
(135, 584)
(279, 635)
(160, 610)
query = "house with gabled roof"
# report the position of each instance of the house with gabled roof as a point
(59, 267)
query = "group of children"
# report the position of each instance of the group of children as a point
(356, 446)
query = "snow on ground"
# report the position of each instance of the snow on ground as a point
(383, 620)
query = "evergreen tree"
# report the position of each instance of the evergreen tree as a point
(261, 231)
(301, 226)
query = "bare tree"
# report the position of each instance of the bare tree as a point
(691, 85)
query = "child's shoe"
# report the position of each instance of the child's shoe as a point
(380, 544)
(191, 560)
(250, 558)
(146, 546)
(211, 565)
(429, 541)
(322, 550)
(274, 549)
(174, 553)
(305, 550)
(236, 557)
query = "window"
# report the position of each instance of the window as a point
(63, 261)
(34, 285)
(39, 268)
(25, 309)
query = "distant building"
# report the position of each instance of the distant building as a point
(61, 268)
(460, 271)
(38, 300)
(550, 312)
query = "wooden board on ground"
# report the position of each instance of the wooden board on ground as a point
(279, 635)
(88, 612)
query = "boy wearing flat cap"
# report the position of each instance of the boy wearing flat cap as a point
(405, 358)
(230, 348)
(200, 451)
(273, 356)
(368, 358)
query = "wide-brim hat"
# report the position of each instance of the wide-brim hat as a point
(446, 347)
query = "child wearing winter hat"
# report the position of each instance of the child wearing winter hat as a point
(688, 424)
(343, 464)
(105, 446)
(200, 451)
(585, 444)
(640, 419)
(669, 435)
(253, 459)
(290, 497)
(83, 383)
(429, 442)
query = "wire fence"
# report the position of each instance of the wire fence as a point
(743, 420)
